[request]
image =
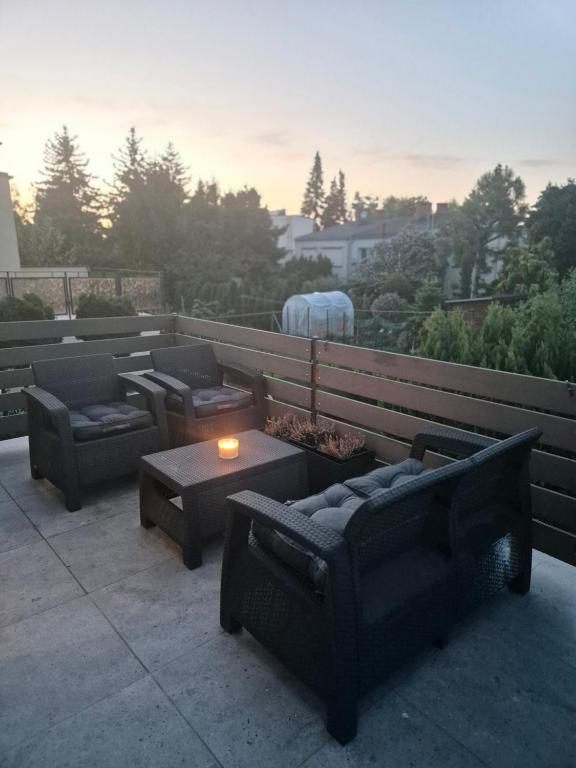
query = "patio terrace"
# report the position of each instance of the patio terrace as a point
(111, 653)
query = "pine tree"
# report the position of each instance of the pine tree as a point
(171, 163)
(67, 198)
(130, 164)
(342, 202)
(313, 202)
(331, 212)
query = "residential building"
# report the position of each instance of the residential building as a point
(347, 245)
(9, 257)
(294, 226)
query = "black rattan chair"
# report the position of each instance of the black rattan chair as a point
(198, 404)
(396, 573)
(81, 428)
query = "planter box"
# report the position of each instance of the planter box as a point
(324, 470)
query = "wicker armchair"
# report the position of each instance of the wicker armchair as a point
(82, 430)
(396, 572)
(198, 404)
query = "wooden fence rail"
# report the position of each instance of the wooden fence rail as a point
(385, 396)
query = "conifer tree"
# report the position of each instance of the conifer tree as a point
(342, 202)
(171, 163)
(331, 212)
(313, 202)
(67, 199)
(130, 164)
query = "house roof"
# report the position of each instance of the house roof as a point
(376, 228)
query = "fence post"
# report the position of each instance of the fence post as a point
(313, 379)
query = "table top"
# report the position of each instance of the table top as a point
(199, 463)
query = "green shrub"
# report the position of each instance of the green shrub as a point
(29, 307)
(447, 336)
(543, 342)
(91, 305)
(495, 338)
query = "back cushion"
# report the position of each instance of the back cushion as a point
(79, 381)
(195, 365)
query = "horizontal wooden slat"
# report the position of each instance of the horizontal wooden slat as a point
(513, 388)
(506, 419)
(553, 470)
(262, 361)
(44, 329)
(547, 468)
(12, 401)
(554, 508)
(19, 377)
(293, 346)
(554, 542)
(26, 355)
(276, 408)
(373, 417)
(289, 392)
(13, 426)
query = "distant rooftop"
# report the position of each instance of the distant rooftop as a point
(374, 228)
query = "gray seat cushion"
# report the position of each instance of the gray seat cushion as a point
(387, 477)
(95, 421)
(333, 508)
(212, 401)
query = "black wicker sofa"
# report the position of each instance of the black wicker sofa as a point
(346, 585)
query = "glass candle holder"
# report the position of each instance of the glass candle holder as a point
(228, 448)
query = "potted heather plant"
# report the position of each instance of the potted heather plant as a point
(332, 456)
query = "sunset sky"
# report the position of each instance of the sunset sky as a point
(406, 96)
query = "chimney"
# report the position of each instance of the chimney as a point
(361, 216)
(441, 209)
(422, 210)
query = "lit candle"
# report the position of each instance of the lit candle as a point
(228, 448)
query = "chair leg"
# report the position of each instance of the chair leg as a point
(521, 583)
(72, 496)
(229, 623)
(145, 523)
(73, 501)
(342, 720)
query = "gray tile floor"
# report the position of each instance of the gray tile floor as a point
(111, 655)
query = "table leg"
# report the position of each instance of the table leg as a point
(192, 546)
(147, 494)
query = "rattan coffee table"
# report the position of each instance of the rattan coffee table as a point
(202, 480)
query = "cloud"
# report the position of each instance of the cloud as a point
(433, 161)
(538, 162)
(420, 160)
(271, 138)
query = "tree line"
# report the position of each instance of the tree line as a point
(218, 250)
(473, 235)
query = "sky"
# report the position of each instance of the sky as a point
(407, 97)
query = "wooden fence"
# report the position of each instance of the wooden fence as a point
(387, 397)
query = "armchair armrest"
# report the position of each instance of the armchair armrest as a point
(322, 541)
(155, 396)
(247, 376)
(461, 445)
(53, 410)
(175, 387)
